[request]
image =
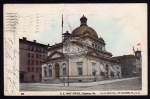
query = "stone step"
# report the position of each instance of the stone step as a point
(54, 81)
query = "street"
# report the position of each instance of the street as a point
(130, 84)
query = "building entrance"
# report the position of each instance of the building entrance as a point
(57, 67)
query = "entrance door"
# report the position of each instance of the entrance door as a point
(32, 77)
(57, 70)
(21, 77)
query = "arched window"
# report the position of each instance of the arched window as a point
(50, 70)
(64, 68)
(80, 72)
(45, 71)
(94, 69)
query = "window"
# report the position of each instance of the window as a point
(36, 55)
(28, 47)
(80, 68)
(36, 62)
(40, 56)
(32, 48)
(93, 44)
(64, 69)
(43, 51)
(102, 73)
(32, 69)
(28, 55)
(37, 49)
(28, 69)
(37, 69)
(28, 62)
(43, 56)
(32, 62)
(50, 71)
(94, 69)
(45, 71)
(40, 62)
(32, 55)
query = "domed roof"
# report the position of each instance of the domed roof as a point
(83, 29)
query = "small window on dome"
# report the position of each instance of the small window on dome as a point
(95, 46)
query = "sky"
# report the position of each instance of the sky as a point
(122, 26)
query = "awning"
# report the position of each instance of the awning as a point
(64, 66)
(102, 68)
(79, 65)
(134, 72)
(111, 69)
(118, 70)
(50, 67)
(94, 69)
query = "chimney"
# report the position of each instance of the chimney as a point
(34, 41)
(24, 38)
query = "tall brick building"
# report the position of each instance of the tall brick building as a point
(131, 65)
(31, 56)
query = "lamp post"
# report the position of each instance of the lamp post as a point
(68, 72)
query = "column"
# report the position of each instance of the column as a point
(109, 76)
(115, 69)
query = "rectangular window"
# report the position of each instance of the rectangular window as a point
(32, 62)
(28, 62)
(28, 69)
(37, 49)
(37, 69)
(36, 55)
(32, 69)
(93, 44)
(40, 56)
(28, 55)
(32, 48)
(32, 55)
(41, 50)
(43, 56)
(36, 62)
(80, 72)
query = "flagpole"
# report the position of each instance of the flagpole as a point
(62, 40)
(62, 27)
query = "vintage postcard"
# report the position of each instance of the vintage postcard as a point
(75, 49)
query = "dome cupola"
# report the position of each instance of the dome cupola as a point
(83, 20)
(83, 29)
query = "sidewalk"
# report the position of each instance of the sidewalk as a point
(88, 84)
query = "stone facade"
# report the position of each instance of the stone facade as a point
(97, 65)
